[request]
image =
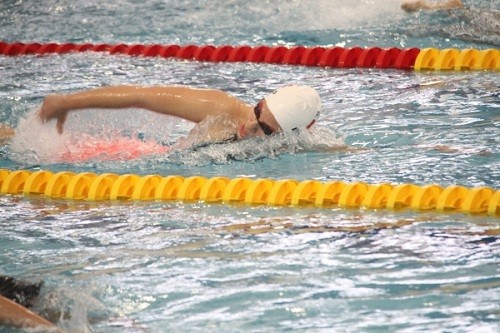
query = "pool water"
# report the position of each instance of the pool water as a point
(193, 266)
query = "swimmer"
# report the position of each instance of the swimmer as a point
(16, 297)
(287, 109)
(423, 4)
(221, 117)
(16, 315)
(480, 25)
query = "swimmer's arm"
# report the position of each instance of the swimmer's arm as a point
(13, 314)
(183, 102)
(422, 4)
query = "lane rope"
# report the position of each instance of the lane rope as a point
(284, 192)
(330, 57)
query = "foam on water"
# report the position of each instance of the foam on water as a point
(35, 142)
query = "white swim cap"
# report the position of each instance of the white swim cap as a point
(294, 107)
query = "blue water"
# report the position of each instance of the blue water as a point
(180, 266)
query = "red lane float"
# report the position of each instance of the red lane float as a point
(349, 57)
(204, 53)
(31, 48)
(258, 54)
(221, 53)
(239, 53)
(312, 56)
(169, 51)
(330, 57)
(275, 55)
(65, 48)
(135, 50)
(186, 52)
(12, 49)
(387, 58)
(152, 50)
(101, 48)
(294, 55)
(120, 48)
(368, 57)
(48, 48)
(83, 47)
(406, 58)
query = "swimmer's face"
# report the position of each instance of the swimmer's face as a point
(261, 123)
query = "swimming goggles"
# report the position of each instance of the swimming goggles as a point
(268, 130)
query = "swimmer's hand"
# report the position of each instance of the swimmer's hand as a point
(422, 4)
(53, 108)
(414, 6)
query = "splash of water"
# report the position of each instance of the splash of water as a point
(319, 138)
(38, 143)
(34, 142)
(297, 15)
(70, 309)
(90, 138)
